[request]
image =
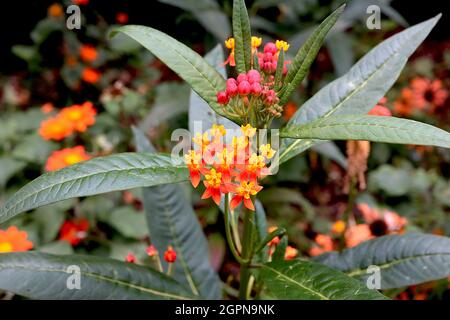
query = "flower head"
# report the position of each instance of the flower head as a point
(122, 18)
(170, 255)
(324, 243)
(55, 128)
(282, 45)
(80, 116)
(47, 107)
(267, 151)
(338, 227)
(151, 251)
(74, 231)
(66, 157)
(130, 258)
(55, 10)
(14, 240)
(229, 44)
(276, 240)
(243, 193)
(290, 253)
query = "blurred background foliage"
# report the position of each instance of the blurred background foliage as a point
(40, 64)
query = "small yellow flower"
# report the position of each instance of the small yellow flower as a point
(201, 139)
(255, 162)
(267, 151)
(256, 42)
(229, 43)
(213, 178)
(282, 45)
(248, 130)
(218, 130)
(338, 227)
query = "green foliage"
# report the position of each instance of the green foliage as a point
(403, 260)
(242, 36)
(307, 280)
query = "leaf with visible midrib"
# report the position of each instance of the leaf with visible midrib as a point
(305, 56)
(404, 260)
(371, 128)
(100, 175)
(172, 221)
(242, 36)
(44, 276)
(189, 65)
(306, 280)
(358, 91)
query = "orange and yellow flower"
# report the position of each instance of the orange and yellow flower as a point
(55, 128)
(66, 157)
(80, 116)
(228, 168)
(290, 253)
(88, 53)
(229, 44)
(55, 10)
(14, 240)
(428, 94)
(47, 107)
(323, 243)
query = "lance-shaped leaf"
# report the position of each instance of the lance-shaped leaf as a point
(306, 55)
(306, 280)
(358, 91)
(371, 128)
(44, 276)
(403, 260)
(242, 36)
(172, 221)
(189, 65)
(100, 175)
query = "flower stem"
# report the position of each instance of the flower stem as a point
(228, 232)
(247, 248)
(348, 211)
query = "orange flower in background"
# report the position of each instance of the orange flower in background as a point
(428, 94)
(74, 231)
(47, 107)
(356, 234)
(380, 109)
(403, 106)
(289, 110)
(229, 44)
(338, 227)
(170, 255)
(80, 116)
(290, 253)
(88, 53)
(66, 157)
(90, 75)
(55, 128)
(324, 243)
(121, 18)
(393, 221)
(14, 240)
(55, 10)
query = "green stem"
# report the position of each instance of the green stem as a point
(247, 248)
(228, 235)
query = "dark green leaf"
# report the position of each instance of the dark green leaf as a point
(308, 280)
(242, 36)
(371, 128)
(358, 91)
(45, 276)
(306, 55)
(403, 260)
(99, 175)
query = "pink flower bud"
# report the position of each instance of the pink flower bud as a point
(270, 47)
(232, 89)
(253, 76)
(231, 81)
(242, 77)
(222, 97)
(244, 88)
(256, 89)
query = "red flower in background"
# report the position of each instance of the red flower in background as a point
(121, 18)
(88, 53)
(74, 231)
(90, 75)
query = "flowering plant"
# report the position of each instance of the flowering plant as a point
(232, 169)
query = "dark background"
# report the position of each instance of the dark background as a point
(19, 17)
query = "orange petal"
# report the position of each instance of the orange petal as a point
(235, 202)
(195, 178)
(207, 194)
(249, 204)
(216, 196)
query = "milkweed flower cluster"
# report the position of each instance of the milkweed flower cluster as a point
(252, 96)
(228, 168)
